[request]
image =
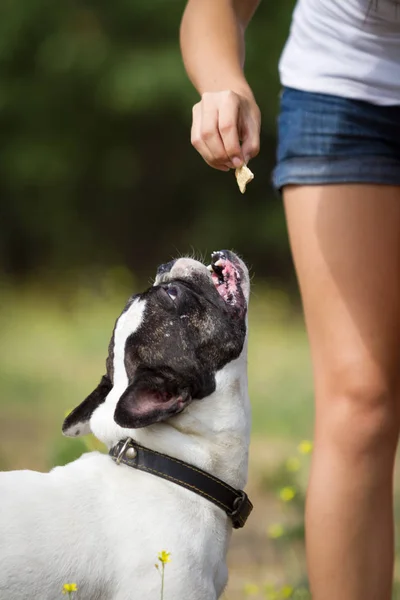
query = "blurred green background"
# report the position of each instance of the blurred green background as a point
(96, 167)
(98, 185)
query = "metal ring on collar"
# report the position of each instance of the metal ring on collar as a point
(122, 451)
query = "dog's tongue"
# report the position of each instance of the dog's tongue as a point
(225, 277)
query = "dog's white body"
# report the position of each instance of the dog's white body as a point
(49, 521)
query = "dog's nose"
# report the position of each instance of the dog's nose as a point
(165, 268)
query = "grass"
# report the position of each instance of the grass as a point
(53, 346)
(279, 368)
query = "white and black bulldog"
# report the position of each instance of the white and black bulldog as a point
(173, 410)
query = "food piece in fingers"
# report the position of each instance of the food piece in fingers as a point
(243, 177)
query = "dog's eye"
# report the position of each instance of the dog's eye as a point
(172, 292)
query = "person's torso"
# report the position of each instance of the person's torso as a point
(349, 48)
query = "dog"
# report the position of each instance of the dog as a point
(176, 384)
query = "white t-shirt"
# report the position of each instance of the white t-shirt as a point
(349, 48)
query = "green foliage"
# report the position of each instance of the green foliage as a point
(95, 162)
(287, 482)
(52, 352)
(54, 344)
(65, 450)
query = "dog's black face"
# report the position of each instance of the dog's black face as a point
(171, 340)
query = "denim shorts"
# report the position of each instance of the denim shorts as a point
(326, 139)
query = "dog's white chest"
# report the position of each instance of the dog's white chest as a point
(102, 526)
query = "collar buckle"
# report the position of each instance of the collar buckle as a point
(239, 513)
(121, 452)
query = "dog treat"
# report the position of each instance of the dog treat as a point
(243, 177)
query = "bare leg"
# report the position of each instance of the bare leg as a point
(346, 247)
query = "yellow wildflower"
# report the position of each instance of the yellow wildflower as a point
(164, 557)
(286, 592)
(275, 531)
(287, 493)
(305, 447)
(251, 589)
(68, 588)
(292, 464)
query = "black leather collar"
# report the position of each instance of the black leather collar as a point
(235, 503)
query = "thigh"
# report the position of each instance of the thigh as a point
(345, 241)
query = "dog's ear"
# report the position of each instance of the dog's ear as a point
(152, 397)
(77, 422)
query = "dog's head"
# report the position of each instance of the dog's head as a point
(168, 345)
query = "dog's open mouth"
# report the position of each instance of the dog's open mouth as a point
(226, 277)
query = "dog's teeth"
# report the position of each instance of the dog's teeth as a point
(209, 267)
(219, 263)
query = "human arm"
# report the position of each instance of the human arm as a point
(212, 43)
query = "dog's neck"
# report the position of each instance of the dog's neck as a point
(212, 433)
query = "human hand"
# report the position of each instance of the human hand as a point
(221, 120)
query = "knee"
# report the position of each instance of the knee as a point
(360, 414)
